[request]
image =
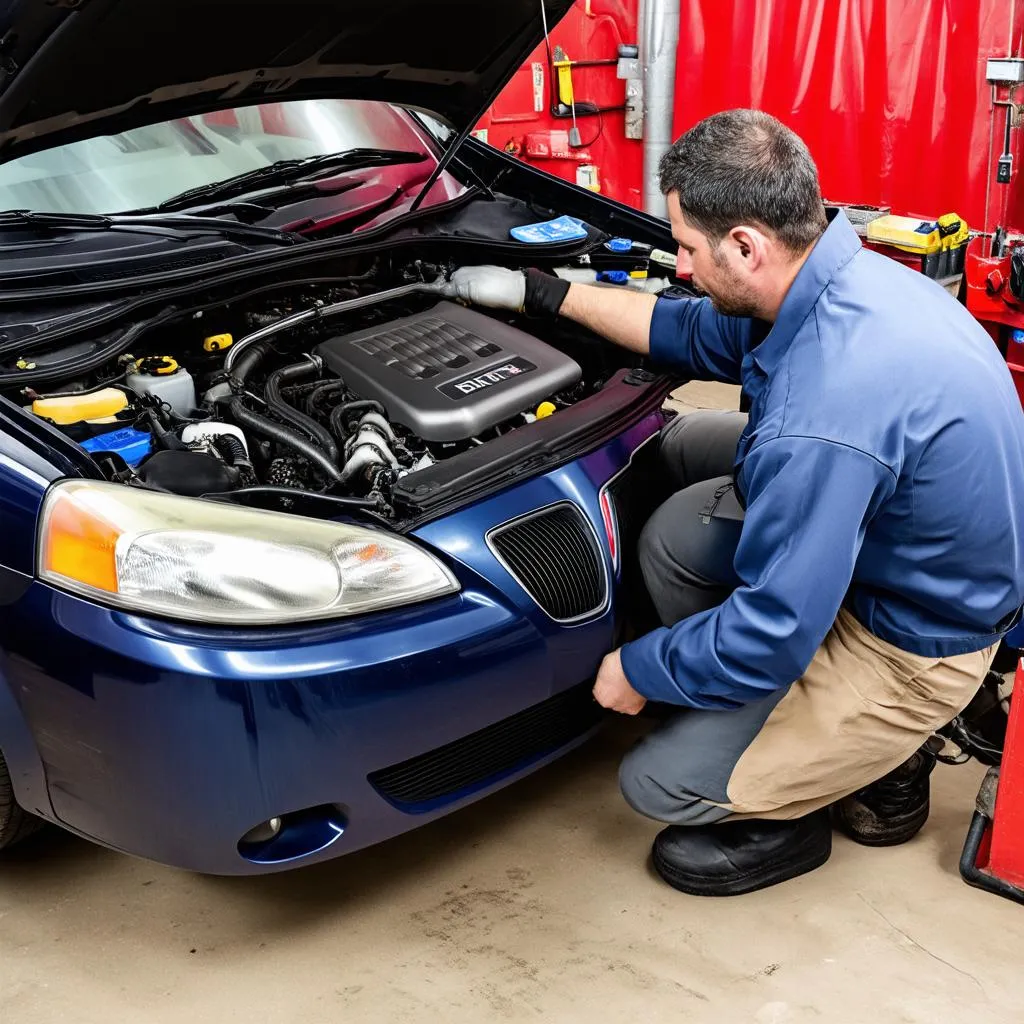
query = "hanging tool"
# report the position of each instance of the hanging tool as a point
(563, 69)
(1004, 167)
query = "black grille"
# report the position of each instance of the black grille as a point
(554, 556)
(499, 749)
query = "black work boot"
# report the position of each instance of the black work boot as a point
(741, 856)
(892, 810)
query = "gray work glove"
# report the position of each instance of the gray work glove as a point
(488, 286)
(533, 292)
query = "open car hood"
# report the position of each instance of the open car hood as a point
(74, 69)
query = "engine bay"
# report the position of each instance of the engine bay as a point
(339, 387)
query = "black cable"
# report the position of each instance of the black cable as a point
(552, 95)
(86, 391)
(368, 504)
(600, 132)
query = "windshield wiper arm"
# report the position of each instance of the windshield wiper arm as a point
(48, 219)
(287, 170)
(173, 226)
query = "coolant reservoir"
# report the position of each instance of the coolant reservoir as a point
(98, 406)
(163, 377)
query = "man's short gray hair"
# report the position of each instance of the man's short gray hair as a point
(746, 167)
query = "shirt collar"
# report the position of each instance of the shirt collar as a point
(836, 247)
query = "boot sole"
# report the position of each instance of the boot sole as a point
(764, 876)
(899, 832)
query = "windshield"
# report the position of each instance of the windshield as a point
(144, 167)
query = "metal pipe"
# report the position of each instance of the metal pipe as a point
(659, 41)
(317, 312)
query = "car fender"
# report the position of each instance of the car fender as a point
(32, 455)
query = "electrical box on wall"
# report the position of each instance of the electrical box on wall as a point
(1004, 70)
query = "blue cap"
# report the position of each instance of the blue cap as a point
(132, 445)
(613, 276)
(1018, 336)
(619, 244)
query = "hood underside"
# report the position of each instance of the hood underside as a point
(74, 69)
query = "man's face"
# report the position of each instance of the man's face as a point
(720, 272)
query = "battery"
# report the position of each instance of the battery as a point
(132, 445)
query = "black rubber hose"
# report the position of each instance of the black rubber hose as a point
(340, 414)
(233, 449)
(285, 435)
(249, 360)
(322, 391)
(308, 425)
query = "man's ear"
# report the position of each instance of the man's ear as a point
(751, 244)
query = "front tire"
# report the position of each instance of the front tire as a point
(15, 822)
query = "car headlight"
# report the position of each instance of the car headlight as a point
(210, 562)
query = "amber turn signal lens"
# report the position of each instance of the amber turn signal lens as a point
(80, 545)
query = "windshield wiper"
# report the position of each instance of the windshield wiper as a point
(284, 171)
(171, 226)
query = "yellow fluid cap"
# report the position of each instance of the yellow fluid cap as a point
(545, 409)
(98, 405)
(218, 342)
(167, 365)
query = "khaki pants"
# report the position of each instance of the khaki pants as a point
(862, 708)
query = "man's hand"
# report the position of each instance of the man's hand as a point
(612, 689)
(488, 286)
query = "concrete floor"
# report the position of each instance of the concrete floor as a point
(536, 904)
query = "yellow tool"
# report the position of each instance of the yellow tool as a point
(563, 68)
(97, 406)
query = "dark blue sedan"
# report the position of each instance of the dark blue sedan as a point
(296, 554)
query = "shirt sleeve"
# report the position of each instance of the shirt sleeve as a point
(691, 336)
(808, 504)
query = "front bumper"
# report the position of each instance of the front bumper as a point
(171, 741)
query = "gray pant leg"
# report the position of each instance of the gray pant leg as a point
(700, 445)
(680, 771)
(687, 547)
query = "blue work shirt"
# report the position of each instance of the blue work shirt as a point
(882, 466)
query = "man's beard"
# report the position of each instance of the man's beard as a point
(730, 297)
(734, 305)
